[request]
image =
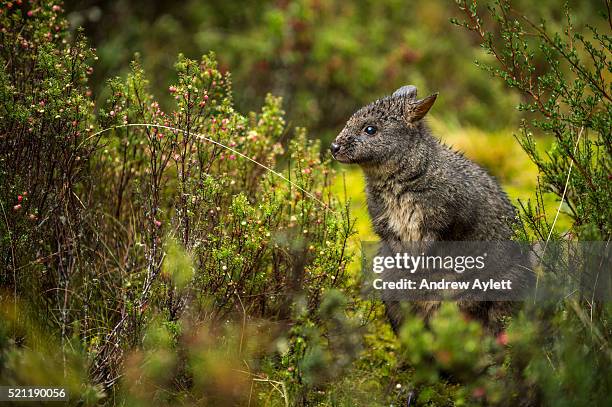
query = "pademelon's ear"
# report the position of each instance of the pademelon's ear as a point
(416, 110)
(408, 91)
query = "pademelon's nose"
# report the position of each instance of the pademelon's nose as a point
(334, 148)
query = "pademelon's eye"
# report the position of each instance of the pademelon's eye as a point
(371, 130)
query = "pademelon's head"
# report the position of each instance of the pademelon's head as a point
(382, 129)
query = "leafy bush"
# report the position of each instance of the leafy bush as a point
(47, 144)
(573, 100)
(137, 220)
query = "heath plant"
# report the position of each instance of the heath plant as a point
(126, 217)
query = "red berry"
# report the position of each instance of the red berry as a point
(16, 207)
(502, 338)
(19, 198)
(479, 392)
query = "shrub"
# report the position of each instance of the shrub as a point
(572, 98)
(126, 219)
(46, 148)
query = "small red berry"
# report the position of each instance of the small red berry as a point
(19, 198)
(502, 338)
(479, 392)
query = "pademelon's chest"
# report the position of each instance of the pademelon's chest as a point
(399, 217)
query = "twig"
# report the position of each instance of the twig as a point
(8, 229)
(569, 173)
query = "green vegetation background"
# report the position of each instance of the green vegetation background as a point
(327, 58)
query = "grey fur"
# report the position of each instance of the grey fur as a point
(418, 189)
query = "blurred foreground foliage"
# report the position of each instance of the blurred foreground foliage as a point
(151, 265)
